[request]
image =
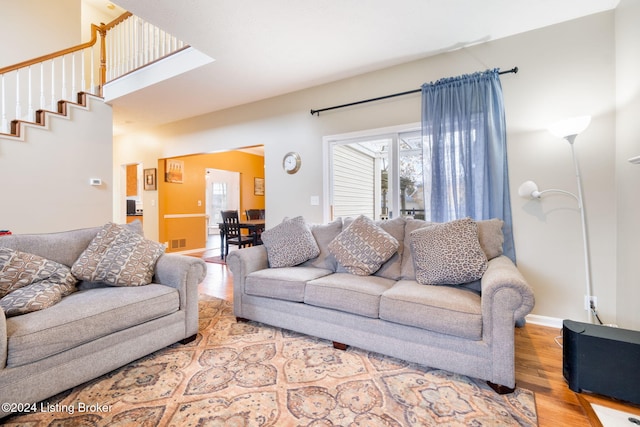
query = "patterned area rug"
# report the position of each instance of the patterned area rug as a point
(250, 374)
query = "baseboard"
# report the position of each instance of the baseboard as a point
(552, 322)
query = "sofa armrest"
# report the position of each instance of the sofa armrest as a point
(242, 263)
(506, 299)
(183, 273)
(505, 290)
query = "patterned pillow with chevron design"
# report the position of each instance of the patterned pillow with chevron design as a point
(30, 282)
(363, 247)
(118, 256)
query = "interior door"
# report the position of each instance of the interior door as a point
(223, 193)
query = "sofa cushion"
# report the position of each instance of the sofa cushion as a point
(119, 257)
(64, 247)
(30, 282)
(489, 234)
(324, 234)
(449, 310)
(85, 316)
(289, 243)
(448, 253)
(347, 292)
(363, 247)
(286, 283)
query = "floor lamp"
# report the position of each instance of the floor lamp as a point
(569, 129)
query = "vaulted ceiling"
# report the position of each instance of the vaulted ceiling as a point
(265, 48)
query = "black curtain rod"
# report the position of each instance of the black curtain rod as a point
(513, 70)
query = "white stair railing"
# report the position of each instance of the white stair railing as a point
(126, 44)
(134, 43)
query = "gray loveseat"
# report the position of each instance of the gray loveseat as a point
(95, 329)
(467, 328)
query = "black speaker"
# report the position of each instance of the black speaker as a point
(602, 360)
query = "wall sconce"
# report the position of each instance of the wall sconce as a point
(569, 129)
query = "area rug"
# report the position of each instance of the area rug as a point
(214, 259)
(250, 374)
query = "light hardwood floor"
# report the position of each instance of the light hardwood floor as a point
(538, 364)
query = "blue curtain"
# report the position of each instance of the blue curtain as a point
(465, 151)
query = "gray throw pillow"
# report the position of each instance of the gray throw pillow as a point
(491, 237)
(118, 256)
(363, 247)
(448, 253)
(289, 243)
(324, 234)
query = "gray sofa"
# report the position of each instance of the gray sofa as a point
(467, 328)
(95, 329)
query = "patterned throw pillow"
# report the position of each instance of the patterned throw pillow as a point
(448, 253)
(118, 257)
(290, 243)
(29, 282)
(363, 247)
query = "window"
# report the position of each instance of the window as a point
(376, 173)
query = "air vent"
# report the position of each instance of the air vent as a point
(178, 243)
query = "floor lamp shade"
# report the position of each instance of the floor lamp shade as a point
(569, 127)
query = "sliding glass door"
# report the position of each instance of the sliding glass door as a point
(377, 175)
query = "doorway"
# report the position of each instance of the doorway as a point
(223, 193)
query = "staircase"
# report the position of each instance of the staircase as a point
(34, 90)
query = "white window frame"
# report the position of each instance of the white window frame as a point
(390, 132)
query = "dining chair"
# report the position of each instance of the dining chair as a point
(255, 213)
(232, 233)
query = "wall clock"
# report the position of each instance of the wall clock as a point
(291, 162)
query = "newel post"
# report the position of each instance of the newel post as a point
(103, 58)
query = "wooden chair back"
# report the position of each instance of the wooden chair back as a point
(231, 223)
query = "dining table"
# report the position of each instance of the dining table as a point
(254, 227)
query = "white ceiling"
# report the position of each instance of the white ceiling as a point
(267, 48)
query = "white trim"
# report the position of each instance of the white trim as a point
(193, 251)
(24, 125)
(167, 216)
(353, 137)
(160, 70)
(552, 322)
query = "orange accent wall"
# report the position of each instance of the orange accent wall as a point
(182, 199)
(132, 180)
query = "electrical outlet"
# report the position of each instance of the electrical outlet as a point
(588, 300)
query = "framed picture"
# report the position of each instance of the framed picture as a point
(150, 176)
(173, 170)
(258, 186)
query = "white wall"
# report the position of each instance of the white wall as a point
(44, 180)
(52, 26)
(628, 175)
(143, 149)
(565, 70)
